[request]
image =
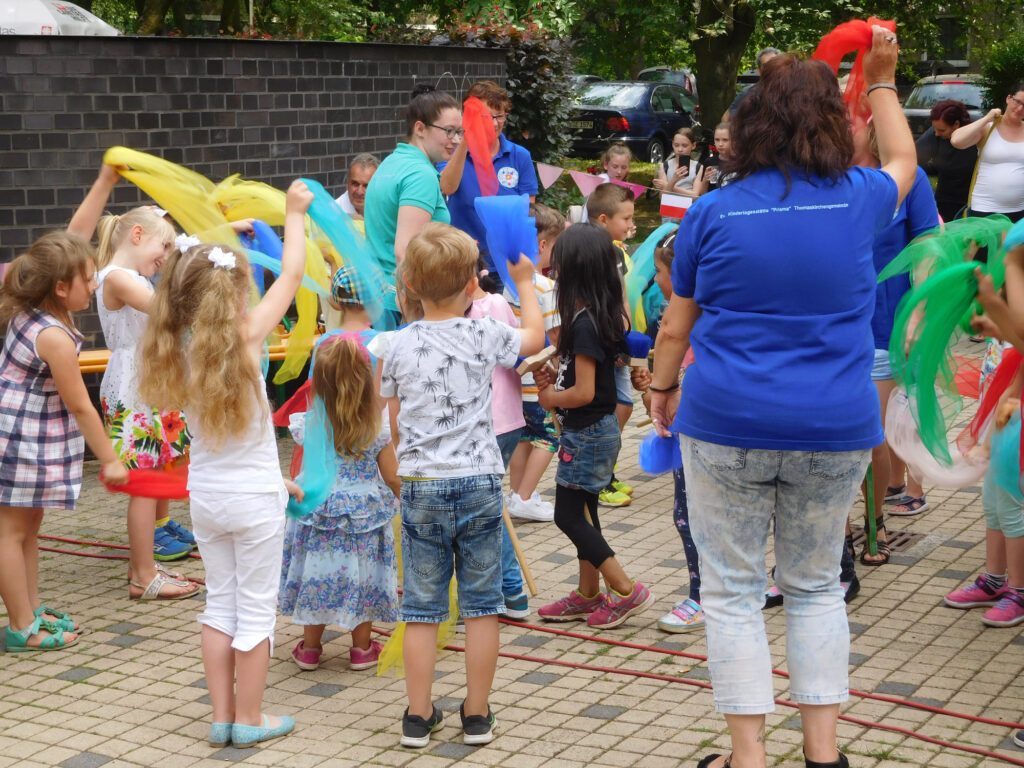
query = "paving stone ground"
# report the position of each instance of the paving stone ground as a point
(131, 692)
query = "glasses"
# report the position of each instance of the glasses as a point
(1017, 101)
(451, 133)
(500, 118)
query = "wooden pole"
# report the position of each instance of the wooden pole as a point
(527, 576)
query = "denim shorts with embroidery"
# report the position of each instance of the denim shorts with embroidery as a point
(587, 457)
(451, 525)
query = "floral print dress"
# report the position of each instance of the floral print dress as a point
(340, 566)
(144, 438)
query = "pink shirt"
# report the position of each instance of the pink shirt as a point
(507, 387)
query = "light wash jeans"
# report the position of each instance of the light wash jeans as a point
(732, 494)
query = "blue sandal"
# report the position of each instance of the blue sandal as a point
(17, 642)
(60, 618)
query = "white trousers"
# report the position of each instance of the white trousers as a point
(241, 539)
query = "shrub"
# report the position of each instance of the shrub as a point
(1003, 70)
(539, 65)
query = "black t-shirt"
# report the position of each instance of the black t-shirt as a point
(954, 168)
(583, 340)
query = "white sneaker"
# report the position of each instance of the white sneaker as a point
(534, 508)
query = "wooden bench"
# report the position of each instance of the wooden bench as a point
(95, 360)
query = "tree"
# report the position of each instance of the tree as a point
(723, 29)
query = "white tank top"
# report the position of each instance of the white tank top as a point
(246, 463)
(1000, 184)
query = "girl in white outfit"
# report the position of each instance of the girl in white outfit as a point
(201, 353)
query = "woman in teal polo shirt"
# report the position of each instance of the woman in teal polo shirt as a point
(404, 194)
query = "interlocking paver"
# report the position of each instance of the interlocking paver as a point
(132, 691)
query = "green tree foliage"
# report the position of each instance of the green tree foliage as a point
(1003, 71)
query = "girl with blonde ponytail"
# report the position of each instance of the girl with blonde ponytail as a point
(200, 354)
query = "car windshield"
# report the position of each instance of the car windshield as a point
(929, 94)
(611, 95)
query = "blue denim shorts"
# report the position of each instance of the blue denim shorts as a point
(540, 427)
(623, 386)
(507, 442)
(451, 525)
(586, 458)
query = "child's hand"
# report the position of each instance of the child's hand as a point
(243, 227)
(294, 490)
(298, 199)
(521, 271)
(984, 325)
(986, 288)
(544, 399)
(660, 184)
(640, 379)
(681, 173)
(114, 473)
(111, 174)
(543, 377)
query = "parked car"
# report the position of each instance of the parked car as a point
(579, 81)
(683, 77)
(930, 90)
(643, 115)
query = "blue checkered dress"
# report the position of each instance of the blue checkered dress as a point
(41, 447)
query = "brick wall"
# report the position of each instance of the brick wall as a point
(270, 110)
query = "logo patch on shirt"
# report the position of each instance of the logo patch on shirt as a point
(508, 177)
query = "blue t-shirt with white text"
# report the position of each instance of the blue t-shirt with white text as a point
(785, 282)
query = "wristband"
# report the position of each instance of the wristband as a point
(889, 86)
(673, 388)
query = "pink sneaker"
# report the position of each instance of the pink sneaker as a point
(364, 658)
(1008, 612)
(976, 595)
(306, 658)
(571, 608)
(616, 609)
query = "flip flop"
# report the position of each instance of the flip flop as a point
(152, 592)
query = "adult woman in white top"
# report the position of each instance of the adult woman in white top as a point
(999, 186)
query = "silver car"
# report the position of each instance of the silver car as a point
(929, 91)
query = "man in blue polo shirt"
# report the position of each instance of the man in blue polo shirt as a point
(512, 164)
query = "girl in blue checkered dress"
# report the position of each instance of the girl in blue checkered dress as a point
(46, 417)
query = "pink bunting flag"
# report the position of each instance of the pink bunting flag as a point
(586, 182)
(548, 174)
(638, 189)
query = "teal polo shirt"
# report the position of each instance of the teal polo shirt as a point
(406, 177)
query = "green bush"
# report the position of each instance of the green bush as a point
(1003, 70)
(539, 65)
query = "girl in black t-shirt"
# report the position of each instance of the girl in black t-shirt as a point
(582, 393)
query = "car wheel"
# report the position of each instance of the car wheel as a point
(655, 151)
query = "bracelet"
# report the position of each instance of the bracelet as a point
(673, 388)
(889, 86)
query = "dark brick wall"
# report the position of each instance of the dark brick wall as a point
(270, 110)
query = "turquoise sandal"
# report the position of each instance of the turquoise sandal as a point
(17, 642)
(63, 620)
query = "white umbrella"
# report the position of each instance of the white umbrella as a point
(50, 17)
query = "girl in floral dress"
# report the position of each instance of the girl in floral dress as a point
(133, 247)
(339, 551)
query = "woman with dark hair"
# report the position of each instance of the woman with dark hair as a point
(774, 287)
(999, 136)
(953, 167)
(404, 194)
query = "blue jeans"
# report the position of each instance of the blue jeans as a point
(511, 573)
(451, 525)
(586, 457)
(732, 494)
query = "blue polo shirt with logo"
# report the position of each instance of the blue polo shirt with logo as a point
(516, 176)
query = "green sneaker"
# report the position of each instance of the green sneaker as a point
(610, 497)
(621, 487)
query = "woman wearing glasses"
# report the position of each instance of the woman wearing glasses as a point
(999, 135)
(404, 194)
(512, 164)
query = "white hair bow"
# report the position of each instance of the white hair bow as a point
(184, 242)
(222, 259)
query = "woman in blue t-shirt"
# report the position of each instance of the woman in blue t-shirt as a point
(774, 288)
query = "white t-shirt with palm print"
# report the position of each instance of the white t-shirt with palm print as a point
(441, 374)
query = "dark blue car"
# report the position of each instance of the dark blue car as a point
(644, 116)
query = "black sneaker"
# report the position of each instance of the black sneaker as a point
(477, 729)
(416, 731)
(851, 588)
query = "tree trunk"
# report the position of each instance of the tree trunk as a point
(151, 16)
(718, 57)
(231, 17)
